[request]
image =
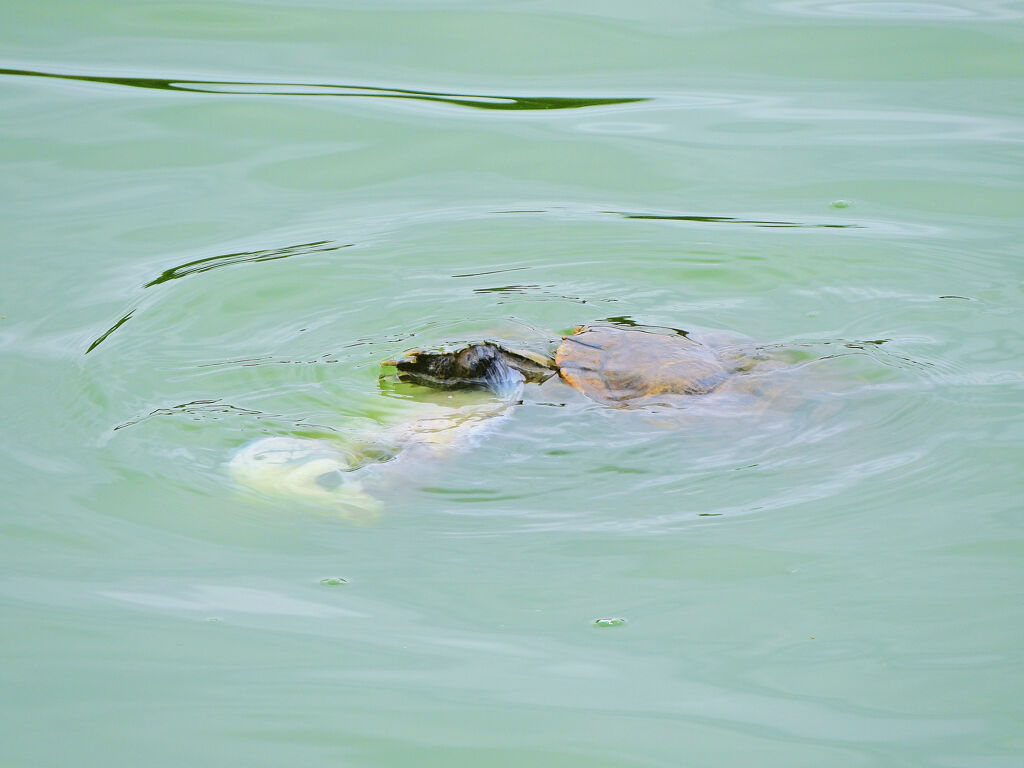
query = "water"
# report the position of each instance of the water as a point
(219, 217)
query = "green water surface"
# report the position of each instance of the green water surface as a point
(217, 218)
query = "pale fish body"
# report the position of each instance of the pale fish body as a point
(344, 475)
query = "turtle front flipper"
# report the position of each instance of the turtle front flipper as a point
(477, 366)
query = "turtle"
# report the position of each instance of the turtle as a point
(622, 367)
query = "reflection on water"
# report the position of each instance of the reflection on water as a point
(477, 101)
(121, 321)
(215, 262)
(242, 257)
(528, 292)
(729, 220)
(490, 272)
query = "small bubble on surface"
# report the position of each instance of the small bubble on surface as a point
(610, 621)
(214, 619)
(333, 581)
(840, 204)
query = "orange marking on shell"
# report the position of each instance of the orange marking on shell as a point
(572, 379)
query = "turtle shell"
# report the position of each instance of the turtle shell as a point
(630, 366)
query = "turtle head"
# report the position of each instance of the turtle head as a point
(477, 366)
